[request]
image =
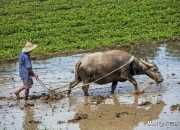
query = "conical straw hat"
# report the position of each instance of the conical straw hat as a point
(29, 47)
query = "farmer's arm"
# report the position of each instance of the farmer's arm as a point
(29, 67)
(32, 73)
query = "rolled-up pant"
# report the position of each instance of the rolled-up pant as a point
(27, 83)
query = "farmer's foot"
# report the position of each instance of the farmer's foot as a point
(17, 94)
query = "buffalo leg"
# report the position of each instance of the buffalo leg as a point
(113, 87)
(72, 84)
(132, 80)
(85, 88)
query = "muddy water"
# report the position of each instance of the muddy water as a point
(122, 110)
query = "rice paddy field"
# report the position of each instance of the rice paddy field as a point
(73, 25)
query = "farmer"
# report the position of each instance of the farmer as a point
(25, 70)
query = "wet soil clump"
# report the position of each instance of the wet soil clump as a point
(55, 96)
(98, 99)
(1, 98)
(78, 117)
(35, 122)
(51, 96)
(120, 114)
(144, 103)
(175, 107)
(7, 98)
(26, 104)
(60, 122)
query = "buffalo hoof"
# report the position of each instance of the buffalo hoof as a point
(68, 94)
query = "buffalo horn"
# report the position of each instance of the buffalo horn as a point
(148, 64)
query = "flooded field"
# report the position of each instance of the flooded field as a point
(157, 108)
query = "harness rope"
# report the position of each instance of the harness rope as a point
(131, 59)
(42, 84)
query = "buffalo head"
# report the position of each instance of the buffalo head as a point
(152, 71)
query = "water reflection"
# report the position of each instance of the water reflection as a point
(29, 122)
(103, 116)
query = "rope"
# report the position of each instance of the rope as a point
(131, 59)
(43, 85)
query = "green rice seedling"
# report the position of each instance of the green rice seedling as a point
(64, 26)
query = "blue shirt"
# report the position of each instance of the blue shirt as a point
(24, 64)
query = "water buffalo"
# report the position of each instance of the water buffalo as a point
(93, 66)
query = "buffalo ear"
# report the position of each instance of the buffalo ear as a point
(146, 60)
(153, 63)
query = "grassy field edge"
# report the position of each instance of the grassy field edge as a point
(67, 26)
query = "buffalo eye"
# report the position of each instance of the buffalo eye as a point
(155, 69)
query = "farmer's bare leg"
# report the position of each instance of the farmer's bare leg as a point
(113, 87)
(27, 84)
(26, 93)
(18, 91)
(72, 84)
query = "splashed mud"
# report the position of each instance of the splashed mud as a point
(78, 117)
(100, 110)
(175, 107)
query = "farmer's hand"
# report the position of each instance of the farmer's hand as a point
(35, 76)
(33, 57)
